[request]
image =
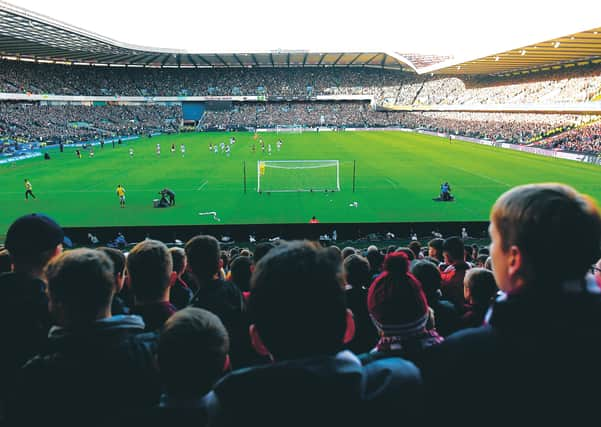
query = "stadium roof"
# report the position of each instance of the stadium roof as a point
(580, 48)
(26, 35)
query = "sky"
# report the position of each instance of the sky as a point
(461, 28)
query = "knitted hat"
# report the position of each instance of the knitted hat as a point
(396, 301)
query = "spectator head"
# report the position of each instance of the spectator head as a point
(406, 251)
(261, 250)
(479, 286)
(203, 257)
(241, 269)
(416, 247)
(245, 252)
(297, 302)
(81, 286)
(348, 251)
(357, 270)
(453, 250)
(199, 336)
(375, 258)
(530, 223)
(118, 260)
(435, 248)
(5, 264)
(178, 256)
(395, 300)
(33, 240)
(488, 263)
(428, 275)
(150, 271)
(481, 260)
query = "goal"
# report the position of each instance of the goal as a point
(289, 129)
(298, 175)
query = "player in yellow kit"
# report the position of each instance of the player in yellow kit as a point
(121, 194)
(28, 189)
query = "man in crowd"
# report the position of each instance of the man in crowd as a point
(79, 376)
(150, 274)
(193, 354)
(536, 359)
(218, 296)
(301, 321)
(180, 293)
(435, 248)
(453, 272)
(32, 241)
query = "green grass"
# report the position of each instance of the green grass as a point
(397, 176)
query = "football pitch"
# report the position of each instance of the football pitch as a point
(397, 175)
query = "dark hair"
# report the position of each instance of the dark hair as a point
(407, 252)
(261, 250)
(241, 272)
(357, 270)
(297, 301)
(203, 256)
(348, 251)
(198, 336)
(178, 256)
(540, 219)
(415, 246)
(82, 282)
(437, 245)
(429, 276)
(454, 248)
(375, 259)
(116, 256)
(482, 285)
(149, 266)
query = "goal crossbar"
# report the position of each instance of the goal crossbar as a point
(296, 181)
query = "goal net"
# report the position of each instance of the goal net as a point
(289, 129)
(298, 175)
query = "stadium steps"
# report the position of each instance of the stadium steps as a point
(418, 92)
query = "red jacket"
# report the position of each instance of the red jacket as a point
(451, 283)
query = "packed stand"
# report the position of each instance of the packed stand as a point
(56, 123)
(575, 84)
(583, 139)
(299, 334)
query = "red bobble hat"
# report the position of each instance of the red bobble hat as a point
(396, 302)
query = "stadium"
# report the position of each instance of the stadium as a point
(383, 117)
(314, 237)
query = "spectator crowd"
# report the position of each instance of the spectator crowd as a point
(61, 123)
(575, 84)
(298, 334)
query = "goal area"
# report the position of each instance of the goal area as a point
(288, 129)
(298, 175)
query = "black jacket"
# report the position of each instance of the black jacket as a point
(86, 376)
(320, 391)
(534, 362)
(24, 324)
(225, 300)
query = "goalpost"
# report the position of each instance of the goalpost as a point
(288, 129)
(298, 175)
